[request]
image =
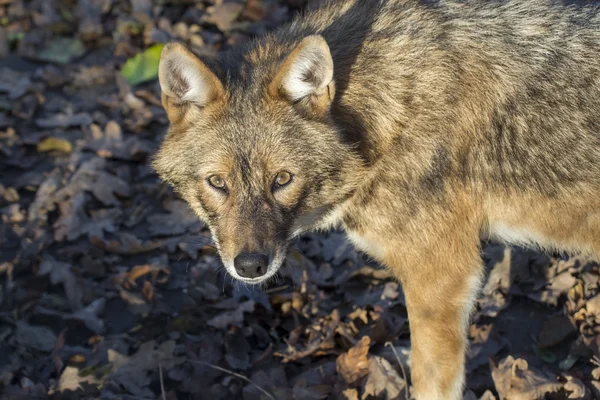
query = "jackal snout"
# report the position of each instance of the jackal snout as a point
(249, 245)
(251, 265)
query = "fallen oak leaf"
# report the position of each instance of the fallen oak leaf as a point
(71, 380)
(576, 388)
(37, 337)
(390, 291)
(559, 285)
(223, 15)
(321, 340)
(136, 272)
(180, 219)
(383, 379)
(61, 50)
(486, 342)
(153, 270)
(109, 143)
(60, 272)
(90, 176)
(350, 394)
(235, 317)
(64, 120)
(132, 371)
(88, 315)
(127, 279)
(514, 380)
(75, 222)
(354, 364)
(127, 244)
(361, 314)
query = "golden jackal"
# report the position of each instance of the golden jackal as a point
(417, 126)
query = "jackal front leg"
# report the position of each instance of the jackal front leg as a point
(440, 285)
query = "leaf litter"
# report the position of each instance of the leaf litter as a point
(110, 286)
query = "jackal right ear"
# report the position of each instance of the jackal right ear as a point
(185, 79)
(306, 75)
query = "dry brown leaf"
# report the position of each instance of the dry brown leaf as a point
(593, 305)
(514, 380)
(390, 291)
(136, 272)
(233, 317)
(361, 314)
(383, 380)
(320, 341)
(559, 285)
(354, 364)
(576, 388)
(350, 394)
(70, 380)
(141, 270)
(131, 371)
(148, 291)
(596, 388)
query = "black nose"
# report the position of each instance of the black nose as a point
(251, 265)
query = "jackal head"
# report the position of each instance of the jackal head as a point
(252, 147)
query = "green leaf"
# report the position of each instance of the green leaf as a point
(54, 144)
(62, 50)
(144, 66)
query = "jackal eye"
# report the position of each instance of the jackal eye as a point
(283, 178)
(217, 182)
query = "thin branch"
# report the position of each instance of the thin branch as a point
(162, 383)
(242, 377)
(401, 367)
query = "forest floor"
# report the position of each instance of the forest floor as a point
(110, 287)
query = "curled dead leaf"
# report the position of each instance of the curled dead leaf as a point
(383, 380)
(514, 380)
(354, 364)
(350, 394)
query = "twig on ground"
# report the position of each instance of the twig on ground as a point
(401, 367)
(242, 377)
(162, 383)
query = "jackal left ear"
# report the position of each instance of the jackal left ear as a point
(307, 74)
(184, 79)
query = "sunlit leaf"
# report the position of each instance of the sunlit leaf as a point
(144, 66)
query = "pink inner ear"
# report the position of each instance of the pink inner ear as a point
(185, 77)
(310, 72)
